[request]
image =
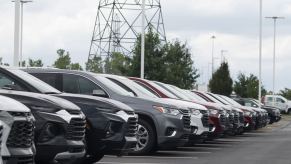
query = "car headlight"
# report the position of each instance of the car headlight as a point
(195, 111)
(171, 111)
(213, 111)
(45, 109)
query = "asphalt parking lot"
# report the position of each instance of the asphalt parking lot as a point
(266, 146)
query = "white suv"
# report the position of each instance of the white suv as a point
(278, 101)
(17, 132)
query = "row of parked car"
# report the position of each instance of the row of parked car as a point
(68, 116)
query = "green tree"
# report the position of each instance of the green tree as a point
(221, 82)
(169, 63)
(94, 65)
(178, 65)
(286, 93)
(35, 63)
(64, 60)
(154, 59)
(118, 64)
(247, 86)
(75, 66)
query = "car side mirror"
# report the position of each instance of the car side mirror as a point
(99, 93)
(10, 87)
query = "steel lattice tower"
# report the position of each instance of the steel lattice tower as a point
(118, 24)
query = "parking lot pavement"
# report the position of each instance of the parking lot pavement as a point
(266, 146)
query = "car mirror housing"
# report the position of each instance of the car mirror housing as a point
(99, 92)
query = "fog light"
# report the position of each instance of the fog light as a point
(170, 131)
(49, 132)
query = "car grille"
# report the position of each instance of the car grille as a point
(236, 118)
(131, 127)
(186, 118)
(21, 160)
(21, 135)
(76, 129)
(231, 118)
(241, 117)
(130, 112)
(205, 118)
(222, 119)
(20, 114)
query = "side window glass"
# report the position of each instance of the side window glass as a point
(147, 88)
(50, 79)
(87, 87)
(279, 100)
(270, 99)
(71, 84)
(8, 83)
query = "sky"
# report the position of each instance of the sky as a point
(53, 24)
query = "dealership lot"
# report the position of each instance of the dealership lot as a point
(268, 145)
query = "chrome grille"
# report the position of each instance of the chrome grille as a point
(76, 129)
(186, 118)
(131, 127)
(21, 135)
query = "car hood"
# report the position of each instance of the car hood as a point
(185, 104)
(41, 100)
(98, 101)
(11, 105)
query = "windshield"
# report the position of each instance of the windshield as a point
(116, 88)
(230, 100)
(164, 91)
(139, 90)
(217, 99)
(35, 82)
(193, 95)
(174, 91)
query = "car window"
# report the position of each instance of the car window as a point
(7, 82)
(279, 100)
(50, 79)
(147, 88)
(70, 84)
(269, 99)
(87, 87)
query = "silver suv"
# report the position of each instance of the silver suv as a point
(17, 132)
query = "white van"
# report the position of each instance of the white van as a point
(278, 101)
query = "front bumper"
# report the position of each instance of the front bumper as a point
(61, 134)
(180, 130)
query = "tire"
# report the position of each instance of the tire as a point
(90, 159)
(146, 138)
(289, 111)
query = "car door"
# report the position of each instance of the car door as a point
(280, 103)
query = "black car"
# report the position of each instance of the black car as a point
(59, 127)
(161, 124)
(111, 125)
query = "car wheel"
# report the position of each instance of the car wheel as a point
(146, 138)
(289, 111)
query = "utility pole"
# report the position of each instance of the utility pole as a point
(16, 33)
(212, 55)
(21, 32)
(260, 51)
(142, 40)
(274, 52)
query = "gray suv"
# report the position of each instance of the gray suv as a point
(160, 124)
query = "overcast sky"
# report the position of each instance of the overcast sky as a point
(68, 24)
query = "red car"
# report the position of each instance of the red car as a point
(217, 118)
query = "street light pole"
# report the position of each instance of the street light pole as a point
(212, 55)
(16, 33)
(21, 31)
(142, 41)
(274, 51)
(260, 51)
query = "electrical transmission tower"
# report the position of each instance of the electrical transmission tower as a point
(118, 25)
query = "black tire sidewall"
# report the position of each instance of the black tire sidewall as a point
(150, 147)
